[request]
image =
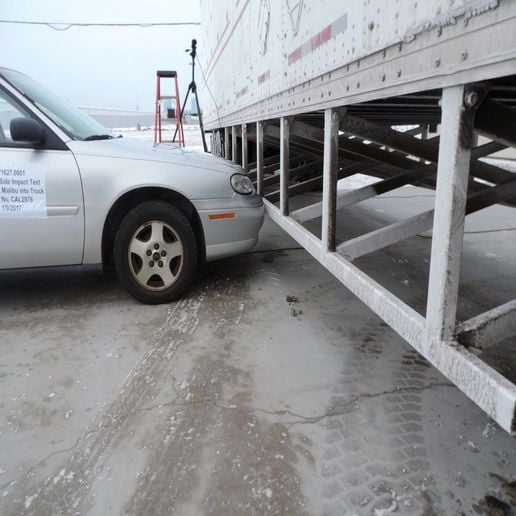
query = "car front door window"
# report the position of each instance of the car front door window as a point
(8, 111)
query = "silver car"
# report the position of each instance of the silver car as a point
(72, 193)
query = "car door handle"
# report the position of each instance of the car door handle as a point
(60, 211)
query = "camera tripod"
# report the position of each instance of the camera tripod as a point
(192, 87)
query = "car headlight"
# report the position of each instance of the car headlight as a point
(242, 184)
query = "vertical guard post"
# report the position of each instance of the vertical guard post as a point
(226, 142)
(450, 205)
(234, 153)
(245, 158)
(330, 173)
(284, 164)
(259, 158)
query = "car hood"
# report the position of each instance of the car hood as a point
(127, 148)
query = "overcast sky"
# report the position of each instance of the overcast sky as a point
(97, 66)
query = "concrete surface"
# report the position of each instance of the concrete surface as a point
(268, 390)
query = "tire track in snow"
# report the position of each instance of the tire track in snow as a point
(67, 489)
(215, 455)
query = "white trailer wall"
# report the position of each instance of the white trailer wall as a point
(267, 58)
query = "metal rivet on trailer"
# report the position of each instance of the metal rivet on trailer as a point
(358, 85)
(471, 98)
(464, 55)
(399, 73)
(437, 62)
(371, 26)
(383, 77)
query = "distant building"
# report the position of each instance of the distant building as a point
(120, 118)
(124, 118)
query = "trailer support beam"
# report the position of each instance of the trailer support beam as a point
(330, 173)
(284, 165)
(294, 172)
(266, 161)
(226, 143)
(404, 229)
(234, 151)
(391, 138)
(345, 199)
(366, 192)
(490, 327)
(450, 207)
(245, 154)
(259, 157)
(317, 182)
(384, 237)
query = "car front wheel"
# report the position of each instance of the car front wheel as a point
(155, 252)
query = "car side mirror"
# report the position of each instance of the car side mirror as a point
(27, 130)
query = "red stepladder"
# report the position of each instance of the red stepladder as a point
(176, 113)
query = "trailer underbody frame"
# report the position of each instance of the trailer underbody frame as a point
(349, 122)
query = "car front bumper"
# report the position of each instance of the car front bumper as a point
(229, 231)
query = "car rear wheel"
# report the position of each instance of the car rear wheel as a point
(155, 252)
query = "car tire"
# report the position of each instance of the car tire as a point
(155, 252)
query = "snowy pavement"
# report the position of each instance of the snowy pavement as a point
(268, 390)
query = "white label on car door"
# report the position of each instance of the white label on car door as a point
(22, 192)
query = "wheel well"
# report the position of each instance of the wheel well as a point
(131, 199)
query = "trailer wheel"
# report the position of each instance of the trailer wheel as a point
(155, 252)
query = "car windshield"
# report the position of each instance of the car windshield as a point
(73, 122)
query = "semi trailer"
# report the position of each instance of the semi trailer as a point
(306, 93)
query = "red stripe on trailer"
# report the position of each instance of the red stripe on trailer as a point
(264, 77)
(243, 91)
(322, 37)
(295, 56)
(338, 26)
